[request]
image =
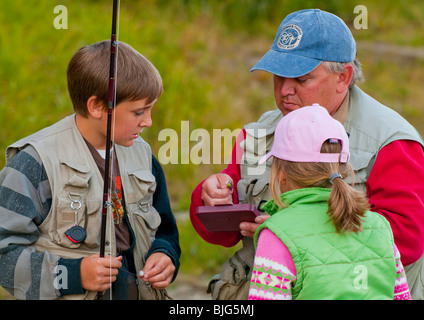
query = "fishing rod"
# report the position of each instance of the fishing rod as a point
(110, 106)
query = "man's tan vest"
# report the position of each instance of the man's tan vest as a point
(366, 139)
(73, 175)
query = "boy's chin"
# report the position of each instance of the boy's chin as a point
(126, 143)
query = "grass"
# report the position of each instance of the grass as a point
(204, 50)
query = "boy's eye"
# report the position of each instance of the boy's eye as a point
(140, 112)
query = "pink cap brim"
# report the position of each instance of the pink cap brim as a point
(265, 158)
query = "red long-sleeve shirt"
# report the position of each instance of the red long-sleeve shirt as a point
(395, 189)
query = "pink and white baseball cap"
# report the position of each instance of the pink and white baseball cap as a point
(300, 134)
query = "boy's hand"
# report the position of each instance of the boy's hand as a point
(97, 274)
(158, 270)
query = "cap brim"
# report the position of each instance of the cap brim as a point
(265, 158)
(286, 65)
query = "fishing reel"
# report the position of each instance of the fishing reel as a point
(76, 234)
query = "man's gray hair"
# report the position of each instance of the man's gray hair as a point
(337, 67)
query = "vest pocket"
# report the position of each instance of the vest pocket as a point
(93, 223)
(362, 163)
(254, 191)
(143, 182)
(143, 216)
(74, 206)
(86, 218)
(65, 220)
(145, 220)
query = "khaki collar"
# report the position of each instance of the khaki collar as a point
(343, 111)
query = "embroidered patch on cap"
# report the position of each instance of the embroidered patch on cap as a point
(290, 37)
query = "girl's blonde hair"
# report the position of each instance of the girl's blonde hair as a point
(346, 205)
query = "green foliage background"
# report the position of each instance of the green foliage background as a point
(204, 51)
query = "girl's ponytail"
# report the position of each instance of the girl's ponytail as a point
(346, 205)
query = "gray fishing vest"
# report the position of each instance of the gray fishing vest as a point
(73, 175)
(370, 126)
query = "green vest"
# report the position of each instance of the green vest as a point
(332, 266)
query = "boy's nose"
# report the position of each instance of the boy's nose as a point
(146, 122)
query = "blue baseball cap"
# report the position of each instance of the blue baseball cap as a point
(304, 39)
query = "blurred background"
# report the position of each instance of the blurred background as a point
(204, 51)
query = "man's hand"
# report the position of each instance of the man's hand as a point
(248, 229)
(158, 270)
(97, 274)
(217, 189)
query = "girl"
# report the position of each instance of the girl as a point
(321, 241)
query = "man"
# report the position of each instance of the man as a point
(312, 60)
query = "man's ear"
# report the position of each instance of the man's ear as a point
(95, 108)
(344, 78)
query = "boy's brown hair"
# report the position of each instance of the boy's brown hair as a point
(88, 75)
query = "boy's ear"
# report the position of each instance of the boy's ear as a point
(95, 108)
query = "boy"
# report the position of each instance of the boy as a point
(51, 193)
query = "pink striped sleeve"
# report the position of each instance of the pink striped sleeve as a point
(401, 286)
(273, 269)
